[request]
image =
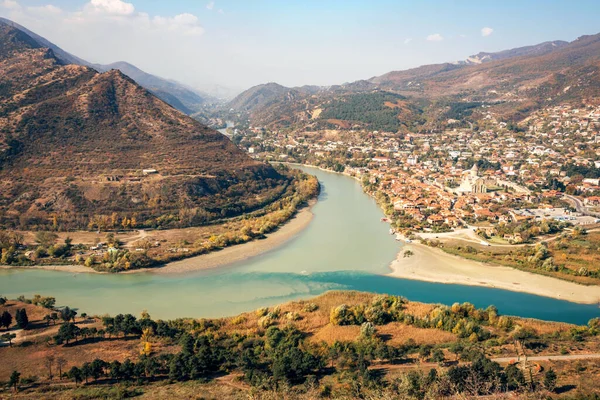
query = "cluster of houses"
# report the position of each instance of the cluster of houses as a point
(461, 175)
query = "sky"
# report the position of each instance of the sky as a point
(241, 43)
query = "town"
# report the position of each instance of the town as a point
(544, 168)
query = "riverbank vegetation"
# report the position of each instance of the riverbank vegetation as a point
(120, 248)
(572, 256)
(339, 345)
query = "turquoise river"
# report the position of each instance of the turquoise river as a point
(344, 247)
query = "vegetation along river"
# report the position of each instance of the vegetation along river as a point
(344, 247)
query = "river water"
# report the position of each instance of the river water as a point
(344, 247)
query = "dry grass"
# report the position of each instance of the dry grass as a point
(333, 333)
(543, 327)
(398, 333)
(36, 343)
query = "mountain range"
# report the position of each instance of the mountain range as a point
(512, 82)
(76, 144)
(185, 99)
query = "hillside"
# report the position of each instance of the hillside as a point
(173, 93)
(261, 96)
(74, 144)
(535, 50)
(512, 82)
(514, 73)
(177, 95)
(340, 345)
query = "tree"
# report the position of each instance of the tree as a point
(22, 319)
(46, 239)
(75, 374)
(438, 356)
(60, 363)
(5, 320)
(49, 362)
(550, 380)
(67, 314)
(67, 331)
(457, 348)
(15, 379)
(8, 337)
(3, 300)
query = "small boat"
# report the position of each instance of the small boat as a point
(384, 219)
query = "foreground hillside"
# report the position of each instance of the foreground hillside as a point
(339, 345)
(77, 146)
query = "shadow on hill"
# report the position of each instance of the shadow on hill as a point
(93, 340)
(564, 389)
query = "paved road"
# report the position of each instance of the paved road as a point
(555, 358)
(579, 206)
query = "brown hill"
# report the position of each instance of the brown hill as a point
(74, 144)
(516, 75)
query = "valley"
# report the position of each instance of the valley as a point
(424, 233)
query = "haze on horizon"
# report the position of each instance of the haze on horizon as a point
(239, 44)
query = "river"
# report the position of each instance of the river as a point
(344, 247)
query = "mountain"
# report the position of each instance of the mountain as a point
(411, 79)
(512, 82)
(523, 75)
(261, 96)
(174, 93)
(74, 144)
(63, 56)
(535, 50)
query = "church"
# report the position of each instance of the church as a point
(472, 182)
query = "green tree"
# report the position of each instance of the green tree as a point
(75, 374)
(8, 337)
(5, 320)
(15, 379)
(22, 319)
(438, 356)
(46, 239)
(67, 332)
(550, 379)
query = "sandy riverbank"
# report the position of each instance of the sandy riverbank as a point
(244, 251)
(214, 259)
(433, 265)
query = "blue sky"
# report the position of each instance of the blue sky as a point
(242, 43)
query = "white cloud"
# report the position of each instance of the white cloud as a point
(210, 5)
(486, 31)
(10, 4)
(113, 7)
(186, 23)
(436, 37)
(407, 40)
(47, 9)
